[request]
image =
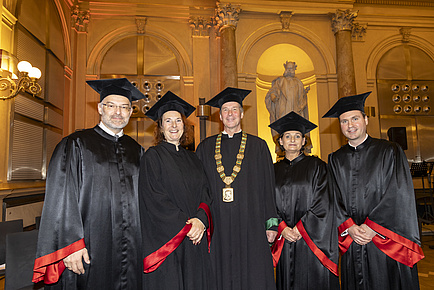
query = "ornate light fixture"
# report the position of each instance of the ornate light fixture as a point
(27, 82)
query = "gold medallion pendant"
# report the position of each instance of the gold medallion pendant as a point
(228, 191)
(228, 194)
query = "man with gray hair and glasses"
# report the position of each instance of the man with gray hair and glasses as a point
(89, 235)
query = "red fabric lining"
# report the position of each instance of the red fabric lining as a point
(329, 264)
(155, 259)
(395, 246)
(50, 267)
(276, 248)
(210, 229)
(345, 241)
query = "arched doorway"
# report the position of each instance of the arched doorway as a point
(269, 67)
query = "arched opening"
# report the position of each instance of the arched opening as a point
(405, 82)
(153, 67)
(270, 66)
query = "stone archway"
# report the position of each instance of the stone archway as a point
(322, 78)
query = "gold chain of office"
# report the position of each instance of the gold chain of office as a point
(228, 191)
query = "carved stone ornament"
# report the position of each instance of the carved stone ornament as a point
(199, 26)
(359, 31)
(227, 15)
(285, 19)
(343, 20)
(80, 19)
(405, 32)
(141, 24)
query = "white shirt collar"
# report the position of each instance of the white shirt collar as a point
(110, 132)
(366, 137)
(224, 132)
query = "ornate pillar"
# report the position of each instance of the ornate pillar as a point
(227, 18)
(200, 27)
(342, 23)
(78, 104)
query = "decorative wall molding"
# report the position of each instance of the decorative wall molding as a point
(80, 18)
(405, 32)
(285, 19)
(200, 25)
(358, 32)
(141, 24)
(397, 2)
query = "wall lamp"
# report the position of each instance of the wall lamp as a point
(27, 82)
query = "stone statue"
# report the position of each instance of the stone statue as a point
(287, 94)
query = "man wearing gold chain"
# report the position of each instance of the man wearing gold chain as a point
(240, 171)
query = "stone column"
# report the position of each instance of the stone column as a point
(200, 27)
(342, 23)
(78, 106)
(227, 18)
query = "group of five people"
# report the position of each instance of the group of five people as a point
(116, 217)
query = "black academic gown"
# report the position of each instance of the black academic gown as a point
(304, 199)
(373, 185)
(172, 186)
(92, 201)
(240, 252)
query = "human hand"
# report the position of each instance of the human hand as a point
(369, 232)
(291, 235)
(359, 234)
(271, 236)
(196, 232)
(74, 262)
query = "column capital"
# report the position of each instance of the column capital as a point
(80, 18)
(405, 32)
(200, 25)
(343, 20)
(141, 24)
(359, 31)
(285, 19)
(227, 15)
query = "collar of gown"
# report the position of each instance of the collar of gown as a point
(106, 135)
(361, 146)
(226, 135)
(295, 160)
(110, 132)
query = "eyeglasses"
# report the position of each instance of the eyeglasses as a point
(123, 108)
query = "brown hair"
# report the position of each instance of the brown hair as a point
(186, 138)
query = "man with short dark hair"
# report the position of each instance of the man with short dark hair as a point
(89, 235)
(375, 205)
(240, 171)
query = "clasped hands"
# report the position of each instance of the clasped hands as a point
(361, 234)
(291, 235)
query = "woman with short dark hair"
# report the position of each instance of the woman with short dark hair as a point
(307, 245)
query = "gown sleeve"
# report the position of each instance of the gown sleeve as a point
(317, 226)
(61, 229)
(394, 219)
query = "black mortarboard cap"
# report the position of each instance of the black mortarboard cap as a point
(121, 86)
(292, 122)
(228, 95)
(169, 102)
(345, 104)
